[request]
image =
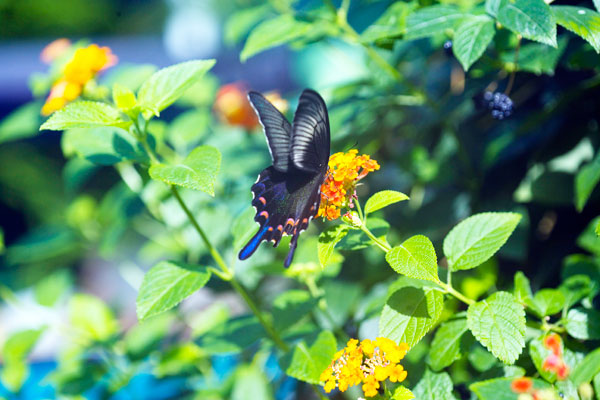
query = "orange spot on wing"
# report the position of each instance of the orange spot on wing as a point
(264, 214)
(262, 200)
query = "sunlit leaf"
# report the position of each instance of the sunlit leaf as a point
(383, 199)
(582, 21)
(166, 284)
(472, 37)
(85, 114)
(530, 18)
(549, 301)
(309, 358)
(289, 308)
(429, 21)
(498, 323)
(446, 344)
(402, 393)
(499, 388)
(22, 123)
(415, 258)
(327, 241)
(587, 368)
(390, 24)
(251, 383)
(198, 171)
(434, 386)
(91, 319)
(583, 323)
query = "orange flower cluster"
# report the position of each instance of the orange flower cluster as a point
(524, 388)
(369, 363)
(339, 188)
(83, 66)
(555, 362)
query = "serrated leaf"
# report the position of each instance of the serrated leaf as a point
(477, 238)
(356, 239)
(549, 301)
(198, 171)
(402, 393)
(585, 181)
(22, 123)
(166, 284)
(575, 288)
(530, 18)
(383, 199)
(446, 344)
(434, 386)
(499, 388)
(327, 241)
(583, 323)
(522, 287)
(587, 368)
(581, 21)
(410, 312)
(492, 6)
(498, 323)
(415, 258)
(472, 37)
(432, 20)
(85, 114)
(390, 24)
(310, 357)
(274, 32)
(165, 86)
(290, 307)
(103, 145)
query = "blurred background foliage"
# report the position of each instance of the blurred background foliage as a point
(79, 227)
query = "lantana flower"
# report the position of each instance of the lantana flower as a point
(339, 188)
(367, 363)
(554, 362)
(523, 386)
(83, 67)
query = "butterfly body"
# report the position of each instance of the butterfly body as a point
(287, 194)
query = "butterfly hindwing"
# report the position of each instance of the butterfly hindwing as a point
(277, 129)
(285, 203)
(310, 133)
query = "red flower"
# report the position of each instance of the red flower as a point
(521, 385)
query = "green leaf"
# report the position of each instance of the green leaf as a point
(477, 238)
(446, 345)
(123, 97)
(310, 357)
(91, 319)
(341, 298)
(402, 393)
(241, 21)
(290, 306)
(585, 369)
(251, 383)
(357, 239)
(233, 336)
(432, 20)
(581, 21)
(499, 324)
(539, 353)
(522, 287)
(585, 181)
(85, 114)
(145, 337)
(206, 320)
(50, 288)
(567, 390)
(168, 84)
(481, 359)
(492, 6)
(390, 24)
(14, 354)
(472, 37)
(22, 123)
(583, 323)
(589, 241)
(410, 312)
(383, 199)
(198, 171)
(274, 32)
(166, 284)
(575, 288)
(499, 388)
(530, 18)
(549, 301)
(103, 145)
(188, 129)
(327, 241)
(415, 258)
(434, 386)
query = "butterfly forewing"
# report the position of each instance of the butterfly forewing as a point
(310, 133)
(277, 129)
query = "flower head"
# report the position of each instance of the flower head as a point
(54, 50)
(232, 106)
(339, 188)
(81, 68)
(368, 363)
(554, 362)
(521, 385)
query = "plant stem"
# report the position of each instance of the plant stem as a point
(383, 246)
(449, 289)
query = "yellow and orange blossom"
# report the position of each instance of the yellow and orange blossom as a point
(83, 66)
(338, 189)
(368, 363)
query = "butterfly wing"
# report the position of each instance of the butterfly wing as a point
(285, 203)
(310, 133)
(277, 129)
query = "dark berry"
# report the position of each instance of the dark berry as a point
(448, 47)
(499, 104)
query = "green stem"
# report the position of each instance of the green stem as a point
(359, 211)
(383, 246)
(449, 289)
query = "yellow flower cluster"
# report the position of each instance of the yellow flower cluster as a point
(85, 64)
(339, 188)
(370, 362)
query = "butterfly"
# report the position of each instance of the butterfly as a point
(287, 194)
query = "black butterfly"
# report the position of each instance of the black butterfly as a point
(287, 194)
